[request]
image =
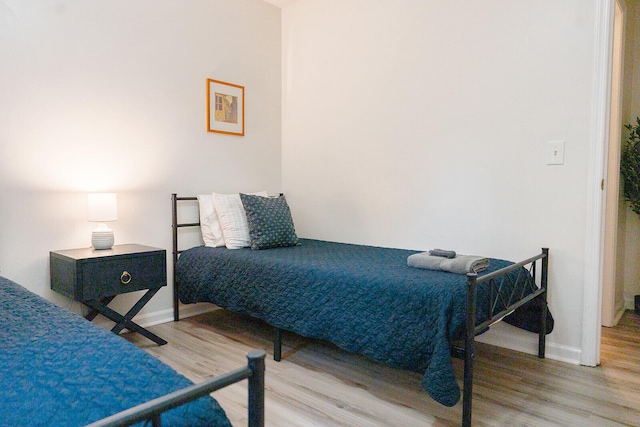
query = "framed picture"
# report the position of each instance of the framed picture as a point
(225, 108)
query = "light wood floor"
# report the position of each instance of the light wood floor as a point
(317, 384)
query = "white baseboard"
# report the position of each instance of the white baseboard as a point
(190, 310)
(500, 334)
(163, 316)
(507, 336)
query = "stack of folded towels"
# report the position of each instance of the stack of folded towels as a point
(444, 260)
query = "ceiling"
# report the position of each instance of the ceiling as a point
(281, 3)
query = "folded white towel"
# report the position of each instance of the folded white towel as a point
(461, 264)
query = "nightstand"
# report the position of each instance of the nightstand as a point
(95, 277)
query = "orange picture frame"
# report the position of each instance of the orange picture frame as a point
(225, 108)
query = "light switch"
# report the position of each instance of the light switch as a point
(556, 153)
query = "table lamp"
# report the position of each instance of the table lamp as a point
(102, 207)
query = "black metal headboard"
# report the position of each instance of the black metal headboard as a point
(175, 224)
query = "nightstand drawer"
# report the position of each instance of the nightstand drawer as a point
(118, 276)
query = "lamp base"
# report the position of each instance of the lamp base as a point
(102, 237)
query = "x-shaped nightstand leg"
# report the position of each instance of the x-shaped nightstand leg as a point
(122, 322)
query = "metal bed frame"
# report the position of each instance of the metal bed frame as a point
(466, 352)
(152, 410)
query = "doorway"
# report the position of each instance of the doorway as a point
(613, 304)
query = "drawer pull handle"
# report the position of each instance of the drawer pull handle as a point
(125, 277)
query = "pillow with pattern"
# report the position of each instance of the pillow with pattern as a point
(270, 222)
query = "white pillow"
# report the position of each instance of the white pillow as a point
(209, 223)
(233, 219)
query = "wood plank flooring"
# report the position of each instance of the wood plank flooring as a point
(317, 384)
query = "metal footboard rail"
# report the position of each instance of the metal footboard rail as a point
(491, 277)
(152, 410)
(471, 329)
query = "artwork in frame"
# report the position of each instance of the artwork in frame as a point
(225, 108)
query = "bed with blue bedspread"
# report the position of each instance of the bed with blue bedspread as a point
(367, 300)
(364, 299)
(58, 369)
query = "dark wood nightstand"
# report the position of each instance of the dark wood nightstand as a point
(96, 277)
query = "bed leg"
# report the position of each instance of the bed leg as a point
(256, 388)
(174, 234)
(176, 310)
(277, 344)
(469, 350)
(543, 313)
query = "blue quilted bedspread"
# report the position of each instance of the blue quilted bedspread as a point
(364, 299)
(58, 369)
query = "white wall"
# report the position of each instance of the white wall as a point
(109, 95)
(422, 124)
(411, 124)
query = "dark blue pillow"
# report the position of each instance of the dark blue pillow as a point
(270, 222)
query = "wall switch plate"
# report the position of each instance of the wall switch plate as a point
(555, 154)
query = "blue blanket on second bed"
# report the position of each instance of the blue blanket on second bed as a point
(58, 369)
(364, 299)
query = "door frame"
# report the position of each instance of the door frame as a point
(596, 196)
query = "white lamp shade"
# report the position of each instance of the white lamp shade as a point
(102, 207)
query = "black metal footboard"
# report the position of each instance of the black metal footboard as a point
(505, 307)
(152, 410)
